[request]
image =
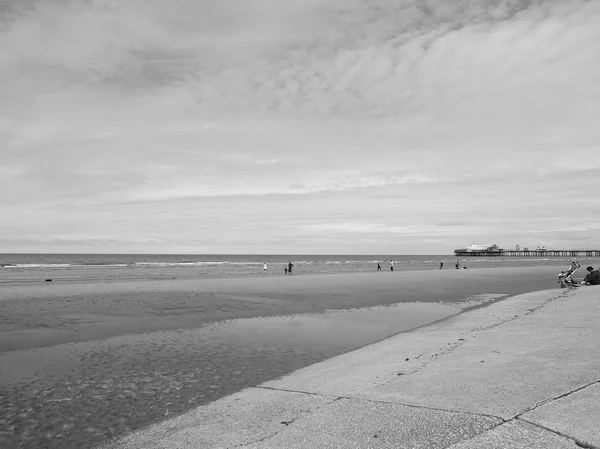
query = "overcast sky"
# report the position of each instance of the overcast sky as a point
(298, 126)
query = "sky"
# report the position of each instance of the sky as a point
(298, 126)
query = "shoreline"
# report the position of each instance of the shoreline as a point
(81, 274)
(260, 275)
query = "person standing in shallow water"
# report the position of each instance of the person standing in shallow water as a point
(378, 267)
(265, 268)
(441, 265)
(391, 265)
(290, 265)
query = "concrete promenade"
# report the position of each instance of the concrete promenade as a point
(520, 373)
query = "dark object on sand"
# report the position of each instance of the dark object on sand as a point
(48, 280)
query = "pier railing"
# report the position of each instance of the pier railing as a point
(532, 253)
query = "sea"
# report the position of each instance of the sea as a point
(19, 268)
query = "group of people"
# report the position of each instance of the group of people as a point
(456, 265)
(565, 278)
(391, 266)
(287, 269)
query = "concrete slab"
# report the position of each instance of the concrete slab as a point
(508, 368)
(517, 435)
(572, 416)
(349, 423)
(246, 416)
(377, 364)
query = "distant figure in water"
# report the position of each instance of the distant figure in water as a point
(285, 270)
(378, 267)
(290, 265)
(391, 265)
(441, 265)
(265, 268)
(457, 265)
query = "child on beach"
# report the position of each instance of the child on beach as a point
(565, 277)
(566, 280)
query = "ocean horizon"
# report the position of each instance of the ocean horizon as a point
(32, 267)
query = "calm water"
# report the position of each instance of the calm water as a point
(38, 267)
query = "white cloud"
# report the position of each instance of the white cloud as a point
(137, 102)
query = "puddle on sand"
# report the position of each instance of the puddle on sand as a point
(77, 394)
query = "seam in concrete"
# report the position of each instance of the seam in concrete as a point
(337, 398)
(379, 401)
(560, 396)
(300, 391)
(577, 441)
(287, 423)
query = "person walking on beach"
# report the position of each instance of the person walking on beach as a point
(391, 265)
(265, 268)
(378, 267)
(290, 265)
(285, 271)
(441, 265)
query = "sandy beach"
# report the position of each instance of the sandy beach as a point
(81, 362)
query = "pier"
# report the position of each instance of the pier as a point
(530, 253)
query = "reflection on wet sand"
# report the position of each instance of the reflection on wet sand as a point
(79, 393)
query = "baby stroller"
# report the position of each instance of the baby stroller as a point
(565, 277)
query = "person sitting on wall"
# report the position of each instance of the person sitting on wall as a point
(593, 276)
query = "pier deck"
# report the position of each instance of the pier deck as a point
(531, 253)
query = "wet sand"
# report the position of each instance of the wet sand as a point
(81, 362)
